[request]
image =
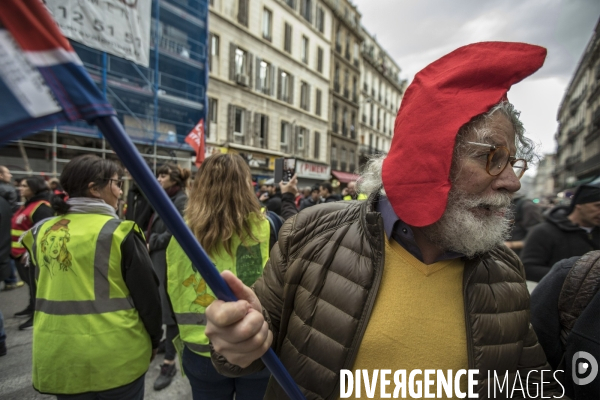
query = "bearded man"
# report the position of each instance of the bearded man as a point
(416, 277)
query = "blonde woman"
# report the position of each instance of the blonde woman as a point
(226, 218)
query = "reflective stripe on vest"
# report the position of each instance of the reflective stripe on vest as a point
(188, 291)
(102, 302)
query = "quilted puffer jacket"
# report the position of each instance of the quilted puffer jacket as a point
(319, 287)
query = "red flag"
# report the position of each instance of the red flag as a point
(196, 139)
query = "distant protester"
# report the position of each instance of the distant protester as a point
(568, 231)
(174, 180)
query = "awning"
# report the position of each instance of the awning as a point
(344, 177)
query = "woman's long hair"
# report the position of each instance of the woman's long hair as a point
(220, 202)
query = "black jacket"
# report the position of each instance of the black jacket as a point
(5, 238)
(139, 209)
(332, 198)
(554, 240)
(158, 240)
(9, 193)
(547, 304)
(274, 204)
(308, 202)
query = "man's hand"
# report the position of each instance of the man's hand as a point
(264, 197)
(238, 330)
(290, 187)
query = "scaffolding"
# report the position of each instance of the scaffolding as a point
(158, 105)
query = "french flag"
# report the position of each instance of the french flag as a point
(42, 80)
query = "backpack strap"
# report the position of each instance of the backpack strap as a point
(580, 286)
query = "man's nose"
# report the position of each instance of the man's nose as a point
(507, 180)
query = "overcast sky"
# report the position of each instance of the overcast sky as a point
(417, 32)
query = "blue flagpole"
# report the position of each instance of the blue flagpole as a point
(115, 134)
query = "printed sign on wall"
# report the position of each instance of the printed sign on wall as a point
(118, 27)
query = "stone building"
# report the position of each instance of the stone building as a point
(269, 82)
(578, 135)
(382, 91)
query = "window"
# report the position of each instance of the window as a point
(346, 81)
(263, 131)
(338, 39)
(300, 139)
(306, 10)
(264, 77)
(213, 53)
(212, 119)
(318, 102)
(286, 87)
(238, 126)
(267, 24)
(356, 52)
(243, 12)
(317, 146)
(352, 125)
(291, 3)
(347, 51)
(351, 161)
(287, 39)
(304, 49)
(320, 22)
(343, 159)
(240, 62)
(336, 78)
(345, 122)
(334, 154)
(304, 96)
(320, 59)
(285, 135)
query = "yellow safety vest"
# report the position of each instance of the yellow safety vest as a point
(87, 335)
(189, 293)
(361, 196)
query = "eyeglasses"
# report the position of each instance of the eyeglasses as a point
(118, 182)
(499, 157)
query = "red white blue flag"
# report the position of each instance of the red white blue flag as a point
(42, 80)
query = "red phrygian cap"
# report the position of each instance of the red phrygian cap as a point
(443, 97)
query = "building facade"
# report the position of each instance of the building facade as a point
(344, 88)
(269, 79)
(543, 184)
(381, 95)
(578, 135)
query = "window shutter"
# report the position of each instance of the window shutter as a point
(291, 99)
(306, 143)
(279, 91)
(247, 127)
(230, 122)
(317, 145)
(232, 48)
(273, 73)
(243, 12)
(256, 131)
(308, 97)
(258, 86)
(250, 61)
(266, 143)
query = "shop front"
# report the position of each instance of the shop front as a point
(310, 173)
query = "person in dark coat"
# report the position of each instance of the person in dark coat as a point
(565, 327)
(272, 199)
(527, 215)
(326, 192)
(311, 200)
(174, 180)
(5, 265)
(139, 209)
(567, 232)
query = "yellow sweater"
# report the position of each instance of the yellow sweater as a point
(417, 320)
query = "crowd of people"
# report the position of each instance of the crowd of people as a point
(422, 264)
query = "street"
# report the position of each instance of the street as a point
(15, 367)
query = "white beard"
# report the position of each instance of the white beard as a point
(472, 224)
